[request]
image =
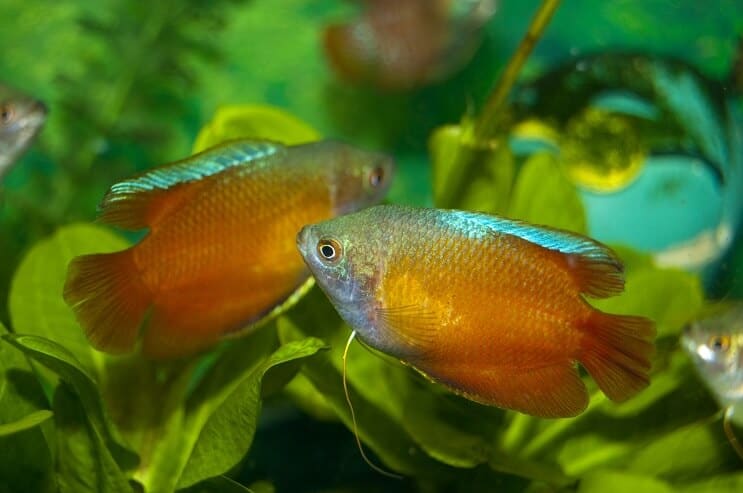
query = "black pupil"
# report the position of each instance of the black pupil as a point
(4, 114)
(717, 343)
(327, 251)
(376, 177)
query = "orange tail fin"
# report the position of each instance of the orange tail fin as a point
(617, 352)
(108, 298)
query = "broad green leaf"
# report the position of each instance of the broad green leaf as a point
(607, 481)
(25, 423)
(306, 396)
(468, 175)
(690, 452)
(729, 483)
(544, 195)
(204, 429)
(63, 363)
(253, 121)
(219, 484)
(376, 386)
(85, 463)
(25, 455)
(36, 304)
(226, 435)
(448, 428)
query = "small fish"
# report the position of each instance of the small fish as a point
(403, 44)
(220, 253)
(715, 344)
(489, 307)
(21, 118)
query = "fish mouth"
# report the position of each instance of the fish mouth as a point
(303, 238)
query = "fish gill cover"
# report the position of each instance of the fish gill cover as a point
(132, 90)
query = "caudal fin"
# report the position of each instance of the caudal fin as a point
(617, 352)
(108, 298)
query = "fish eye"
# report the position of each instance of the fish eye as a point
(376, 176)
(329, 249)
(6, 113)
(719, 343)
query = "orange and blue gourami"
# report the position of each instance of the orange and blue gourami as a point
(492, 308)
(219, 254)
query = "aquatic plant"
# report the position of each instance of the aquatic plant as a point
(74, 419)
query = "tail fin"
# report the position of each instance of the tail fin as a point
(617, 352)
(108, 298)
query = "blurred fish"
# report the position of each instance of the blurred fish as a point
(403, 44)
(220, 252)
(715, 344)
(21, 118)
(491, 308)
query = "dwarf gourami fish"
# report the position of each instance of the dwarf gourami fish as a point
(21, 118)
(489, 307)
(403, 44)
(220, 253)
(715, 344)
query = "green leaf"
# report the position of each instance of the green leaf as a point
(730, 483)
(489, 170)
(85, 463)
(36, 304)
(205, 430)
(219, 484)
(254, 121)
(306, 397)
(605, 481)
(377, 387)
(25, 455)
(27, 422)
(544, 195)
(687, 453)
(225, 436)
(63, 362)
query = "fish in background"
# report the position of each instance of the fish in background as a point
(220, 253)
(715, 345)
(489, 307)
(404, 44)
(21, 118)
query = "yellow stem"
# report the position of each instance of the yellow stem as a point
(487, 125)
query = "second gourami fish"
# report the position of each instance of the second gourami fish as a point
(491, 308)
(220, 252)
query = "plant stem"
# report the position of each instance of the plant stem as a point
(487, 124)
(481, 138)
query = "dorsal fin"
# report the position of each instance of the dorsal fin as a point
(139, 202)
(596, 268)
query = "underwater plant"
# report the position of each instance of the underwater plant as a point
(73, 418)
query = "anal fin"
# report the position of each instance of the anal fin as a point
(554, 391)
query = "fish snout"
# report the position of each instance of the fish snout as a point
(303, 238)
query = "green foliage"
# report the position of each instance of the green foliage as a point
(254, 122)
(127, 84)
(173, 432)
(25, 454)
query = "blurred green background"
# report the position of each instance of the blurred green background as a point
(130, 83)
